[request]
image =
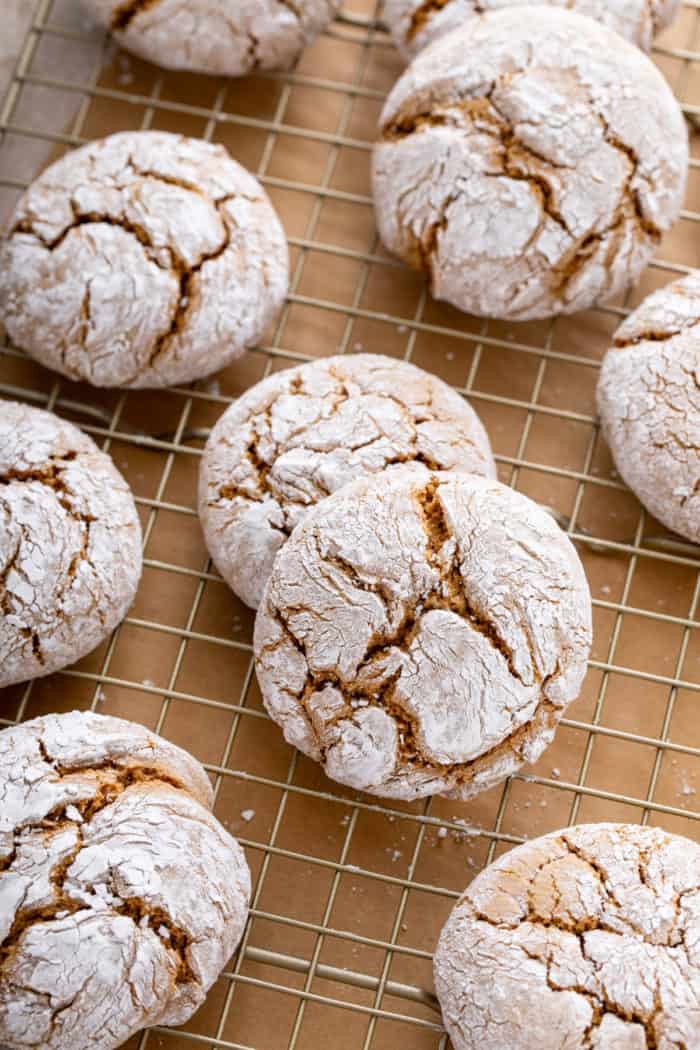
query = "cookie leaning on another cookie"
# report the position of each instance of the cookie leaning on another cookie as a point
(422, 633)
(142, 260)
(228, 37)
(301, 434)
(649, 404)
(586, 939)
(414, 24)
(529, 163)
(70, 544)
(122, 896)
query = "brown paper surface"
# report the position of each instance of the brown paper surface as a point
(350, 893)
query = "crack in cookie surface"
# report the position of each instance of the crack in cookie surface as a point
(448, 131)
(414, 24)
(520, 162)
(70, 551)
(297, 437)
(98, 816)
(108, 789)
(126, 12)
(649, 403)
(598, 908)
(215, 37)
(175, 218)
(397, 638)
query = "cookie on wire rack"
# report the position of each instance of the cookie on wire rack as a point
(70, 544)
(584, 938)
(225, 37)
(422, 633)
(122, 896)
(142, 260)
(301, 434)
(414, 24)
(529, 164)
(649, 404)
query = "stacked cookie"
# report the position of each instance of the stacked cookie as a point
(420, 626)
(121, 896)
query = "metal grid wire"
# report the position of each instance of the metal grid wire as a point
(350, 892)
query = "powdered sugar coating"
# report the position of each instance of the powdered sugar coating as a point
(228, 37)
(422, 632)
(299, 435)
(530, 162)
(649, 404)
(142, 260)
(121, 896)
(589, 937)
(70, 544)
(414, 24)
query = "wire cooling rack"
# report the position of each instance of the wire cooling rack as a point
(350, 893)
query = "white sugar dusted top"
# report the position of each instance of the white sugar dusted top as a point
(70, 543)
(530, 162)
(589, 937)
(416, 23)
(301, 434)
(121, 896)
(229, 37)
(142, 260)
(649, 403)
(422, 632)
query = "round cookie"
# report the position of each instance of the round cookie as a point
(414, 24)
(586, 938)
(529, 162)
(70, 544)
(649, 404)
(226, 37)
(122, 896)
(142, 260)
(301, 434)
(422, 633)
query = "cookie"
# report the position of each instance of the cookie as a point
(227, 37)
(586, 938)
(414, 24)
(142, 260)
(529, 162)
(122, 896)
(70, 544)
(422, 632)
(300, 435)
(649, 404)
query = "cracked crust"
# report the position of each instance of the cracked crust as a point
(121, 896)
(649, 404)
(70, 544)
(422, 632)
(300, 435)
(142, 260)
(414, 24)
(586, 938)
(227, 37)
(529, 163)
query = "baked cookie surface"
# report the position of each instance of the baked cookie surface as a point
(123, 897)
(585, 938)
(416, 23)
(142, 260)
(649, 404)
(422, 632)
(299, 435)
(70, 544)
(529, 162)
(228, 37)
